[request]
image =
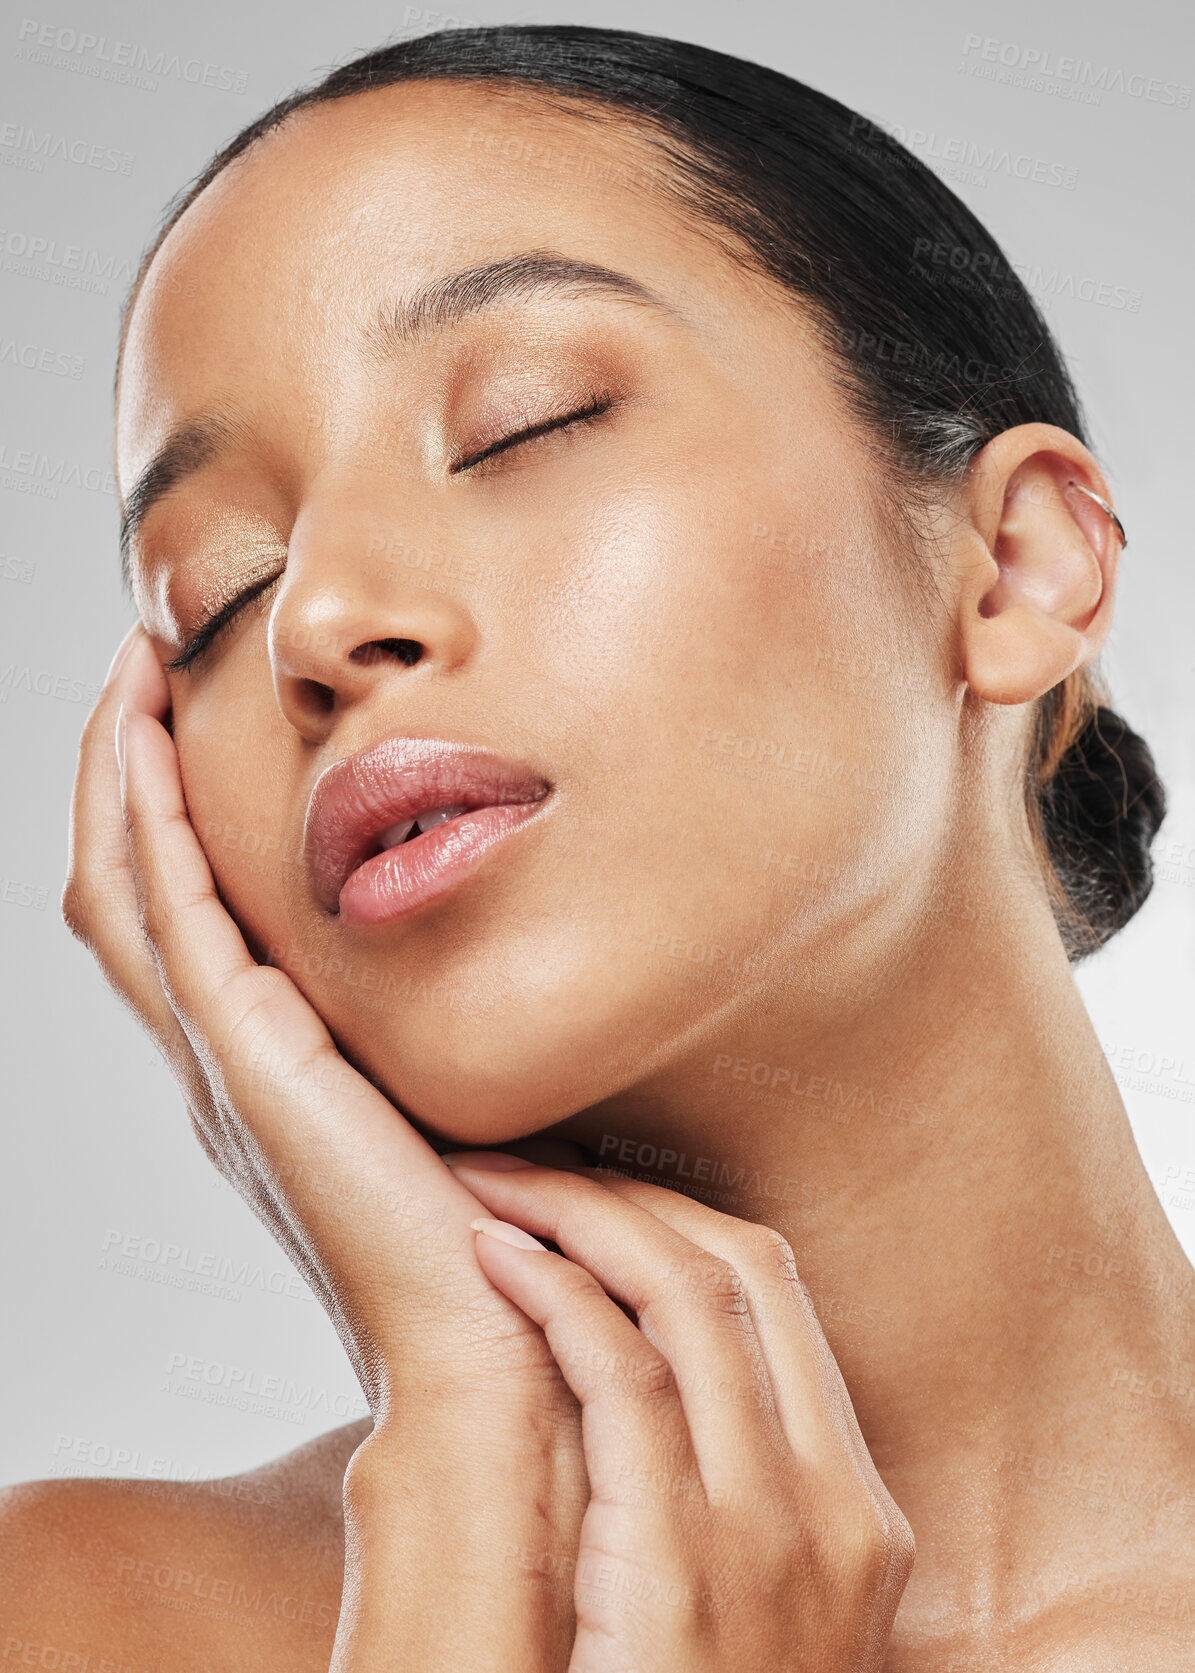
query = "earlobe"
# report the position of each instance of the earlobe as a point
(1020, 653)
(1040, 606)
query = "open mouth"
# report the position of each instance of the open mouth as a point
(396, 826)
(412, 829)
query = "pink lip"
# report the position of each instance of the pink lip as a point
(354, 801)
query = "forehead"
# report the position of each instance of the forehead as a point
(273, 274)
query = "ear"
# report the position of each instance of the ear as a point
(1037, 564)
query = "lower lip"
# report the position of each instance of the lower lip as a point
(402, 879)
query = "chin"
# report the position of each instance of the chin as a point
(485, 1024)
(471, 1078)
(470, 1086)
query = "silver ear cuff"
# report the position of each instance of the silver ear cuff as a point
(1105, 507)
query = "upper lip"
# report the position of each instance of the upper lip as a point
(355, 800)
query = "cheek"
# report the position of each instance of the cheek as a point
(761, 721)
(233, 760)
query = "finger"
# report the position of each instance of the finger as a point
(690, 1305)
(810, 1399)
(99, 901)
(632, 1418)
(805, 1375)
(326, 1136)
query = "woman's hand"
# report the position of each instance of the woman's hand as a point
(465, 1394)
(737, 1522)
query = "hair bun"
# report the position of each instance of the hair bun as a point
(1101, 809)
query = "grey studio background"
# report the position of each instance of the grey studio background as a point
(153, 1327)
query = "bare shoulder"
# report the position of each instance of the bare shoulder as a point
(240, 1572)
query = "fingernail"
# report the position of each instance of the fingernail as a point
(120, 719)
(505, 1233)
(122, 650)
(485, 1161)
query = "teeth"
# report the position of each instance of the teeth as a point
(395, 834)
(438, 816)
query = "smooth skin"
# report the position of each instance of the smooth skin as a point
(868, 1314)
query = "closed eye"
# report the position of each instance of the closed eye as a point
(215, 624)
(595, 406)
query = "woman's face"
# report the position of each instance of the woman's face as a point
(683, 614)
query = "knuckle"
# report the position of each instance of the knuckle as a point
(902, 1544)
(254, 996)
(89, 903)
(152, 919)
(770, 1251)
(649, 1377)
(161, 916)
(877, 1544)
(717, 1286)
(702, 1280)
(578, 1285)
(201, 895)
(641, 1373)
(97, 893)
(75, 907)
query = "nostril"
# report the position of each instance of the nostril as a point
(322, 697)
(406, 651)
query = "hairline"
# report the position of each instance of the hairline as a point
(580, 104)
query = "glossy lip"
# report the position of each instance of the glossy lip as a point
(355, 800)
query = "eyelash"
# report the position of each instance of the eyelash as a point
(215, 625)
(597, 403)
(595, 407)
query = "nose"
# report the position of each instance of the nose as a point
(351, 616)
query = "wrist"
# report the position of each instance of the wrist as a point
(489, 1467)
(461, 1539)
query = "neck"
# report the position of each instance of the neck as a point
(951, 1161)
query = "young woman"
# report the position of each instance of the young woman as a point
(618, 604)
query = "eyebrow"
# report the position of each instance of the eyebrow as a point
(445, 302)
(188, 448)
(436, 306)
